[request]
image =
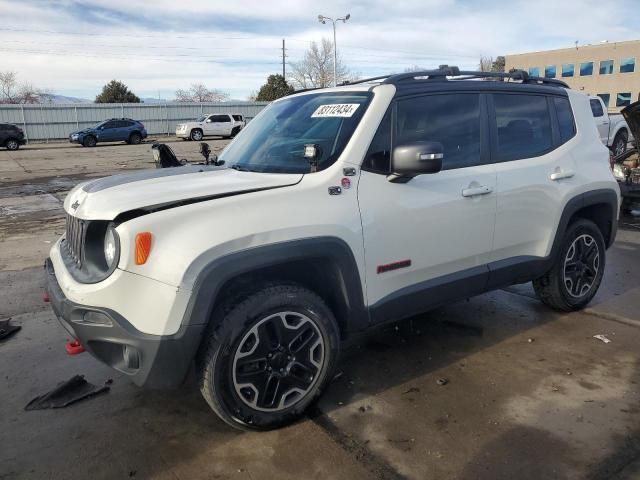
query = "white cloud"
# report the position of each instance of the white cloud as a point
(235, 45)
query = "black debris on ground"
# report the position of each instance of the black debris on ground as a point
(66, 393)
(6, 329)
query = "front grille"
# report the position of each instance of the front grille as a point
(75, 232)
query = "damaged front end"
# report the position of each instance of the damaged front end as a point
(626, 167)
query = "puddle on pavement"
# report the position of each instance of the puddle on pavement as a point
(28, 204)
(41, 186)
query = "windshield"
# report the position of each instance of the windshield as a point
(275, 140)
(201, 119)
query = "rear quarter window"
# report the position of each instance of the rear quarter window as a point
(566, 123)
(596, 108)
(523, 126)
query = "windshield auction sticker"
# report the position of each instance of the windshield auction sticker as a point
(336, 110)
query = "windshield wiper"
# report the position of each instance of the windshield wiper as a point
(239, 168)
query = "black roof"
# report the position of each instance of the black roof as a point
(452, 78)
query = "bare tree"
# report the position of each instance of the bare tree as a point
(485, 64)
(13, 92)
(198, 92)
(414, 68)
(315, 70)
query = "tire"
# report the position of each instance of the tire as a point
(577, 273)
(619, 145)
(12, 144)
(135, 138)
(262, 328)
(89, 141)
(235, 131)
(196, 135)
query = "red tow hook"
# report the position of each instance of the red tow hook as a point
(45, 297)
(73, 347)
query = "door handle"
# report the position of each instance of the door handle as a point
(560, 175)
(473, 191)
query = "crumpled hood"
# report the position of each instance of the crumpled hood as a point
(631, 114)
(106, 198)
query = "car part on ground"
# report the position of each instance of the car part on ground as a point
(165, 158)
(67, 393)
(7, 329)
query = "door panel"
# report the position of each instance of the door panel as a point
(533, 179)
(427, 221)
(435, 225)
(210, 127)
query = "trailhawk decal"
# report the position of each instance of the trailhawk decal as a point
(335, 110)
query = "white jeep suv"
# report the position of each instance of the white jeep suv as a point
(336, 210)
(220, 124)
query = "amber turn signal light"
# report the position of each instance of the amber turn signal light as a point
(143, 247)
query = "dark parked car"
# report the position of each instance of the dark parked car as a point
(113, 130)
(11, 136)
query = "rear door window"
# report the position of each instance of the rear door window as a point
(451, 119)
(523, 126)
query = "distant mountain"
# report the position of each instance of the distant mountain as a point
(61, 99)
(154, 100)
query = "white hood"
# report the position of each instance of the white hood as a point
(106, 198)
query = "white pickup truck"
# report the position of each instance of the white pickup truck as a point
(613, 129)
(219, 124)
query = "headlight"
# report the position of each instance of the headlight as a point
(111, 247)
(618, 171)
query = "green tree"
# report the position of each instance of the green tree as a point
(276, 87)
(116, 92)
(498, 64)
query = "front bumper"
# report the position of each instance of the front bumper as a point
(150, 360)
(630, 190)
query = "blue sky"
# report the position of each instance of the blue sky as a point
(156, 47)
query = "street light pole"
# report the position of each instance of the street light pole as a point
(322, 19)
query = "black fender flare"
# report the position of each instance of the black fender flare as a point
(332, 251)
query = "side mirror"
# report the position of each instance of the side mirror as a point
(416, 158)
(208, 120)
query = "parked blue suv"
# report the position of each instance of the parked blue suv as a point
(113, 130)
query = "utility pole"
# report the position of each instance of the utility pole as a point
(283, 57)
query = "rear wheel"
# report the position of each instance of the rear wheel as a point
(196, 135)
(235, 131)
(89, 141)
(576, 276)
(12, 144)
(135, 138)
(620, 142)
(269, 357)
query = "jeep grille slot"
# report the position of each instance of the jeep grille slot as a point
(75, 232)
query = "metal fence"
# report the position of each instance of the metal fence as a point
(42, 122)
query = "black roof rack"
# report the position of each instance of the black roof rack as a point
(445, 71)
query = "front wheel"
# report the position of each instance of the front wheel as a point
(196, 135)
(12, 144)
(577, 273)
(620, 143)
(135, 139)
(89, 141)
(269, 357)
